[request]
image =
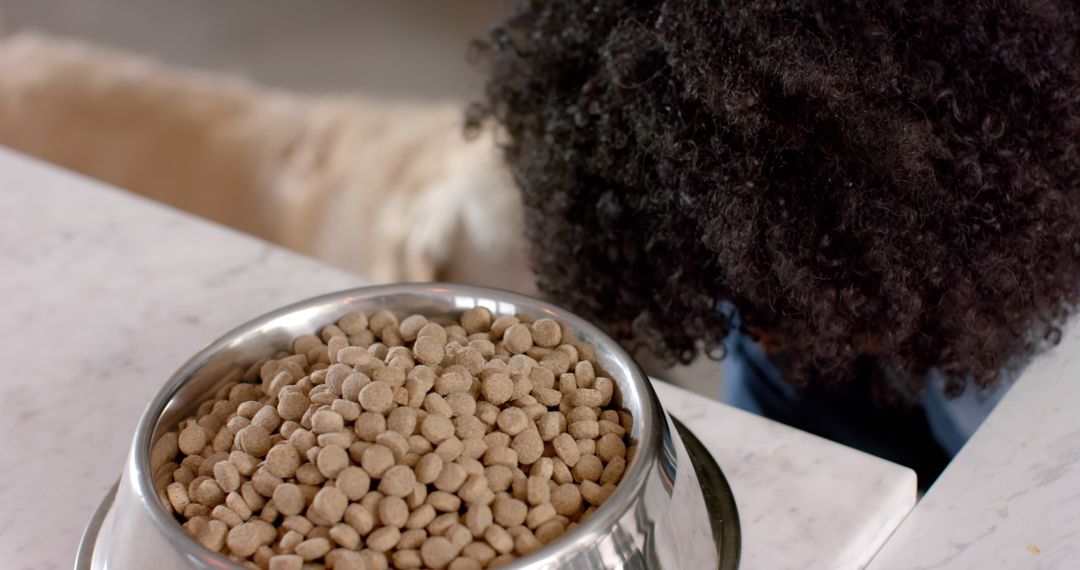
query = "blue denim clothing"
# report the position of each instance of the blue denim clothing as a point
(954, 420)
(924, 437)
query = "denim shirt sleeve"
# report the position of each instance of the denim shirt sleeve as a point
(954, 420)
(951, 420)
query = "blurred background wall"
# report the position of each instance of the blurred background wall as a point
(413, 48)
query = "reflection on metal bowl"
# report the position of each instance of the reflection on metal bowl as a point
(672, 510)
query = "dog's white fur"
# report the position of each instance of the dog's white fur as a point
(390, 190)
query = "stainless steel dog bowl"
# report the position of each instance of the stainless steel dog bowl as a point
(672, 510)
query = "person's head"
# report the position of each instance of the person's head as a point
(887, 182)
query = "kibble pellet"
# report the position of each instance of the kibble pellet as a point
(386, 444)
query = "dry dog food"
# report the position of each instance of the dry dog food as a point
(414, 444)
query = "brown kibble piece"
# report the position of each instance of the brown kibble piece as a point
(192, 440)
(497, 388)
(428, 468)
(497, 439)
(377, 397)
(206, 492)
(253, 440)
(358, 517)
(538, 491)
(549, 397)
(588, 468)
(613, 471)
(475, 489)
(376, 460)
(479, 551)
(609, 447)
(330, 504)
(478, 518)
(283, 460)
(581, 414)
(546, 333)
(331, 460)
(436, 405)
(379, 321)
(462, 404)
(313, 548)
(393, 512)
(412, 539)
(588, 397)
(549, 531)
(397, 481)
(383, 539)
(529, 446)
(566, 448)
(326, 421)
(566, 499)
(501, 324)
(499, 539)
(476, 320)
(421, 517)
(487, 412)
(286, 562)
(458, 535)
(353, 323)
(402, 420)
(292, 405)
(352, 384)
(444, 501)
(354, 482)
(244, 539)
(557, 361)
(178, 496)
(509, 512)
(437, 552)
(433, 330)
(518, 339)
(397, 443)
(227, 477)
(451, 477)
(525, 543)
(543, 468)
(585, 374)
(501, 456)
(611, 427)
(410, 327)
(369, 425)
(588, 429)
(550, 424)
(406, 559)
(512, 421)
(464, 563)
(595, 494)
(452, 382)
(289, 499)
(436, 428)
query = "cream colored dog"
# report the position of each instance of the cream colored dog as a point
(391, 191)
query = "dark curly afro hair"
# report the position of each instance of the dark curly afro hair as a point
(886, 182)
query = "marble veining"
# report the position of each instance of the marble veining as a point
(1011, 497)
(804, 502)
(106, 293)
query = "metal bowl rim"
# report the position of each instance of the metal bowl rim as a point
(606, 517)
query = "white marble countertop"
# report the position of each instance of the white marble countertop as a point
(1011, 497)
(105, 294)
